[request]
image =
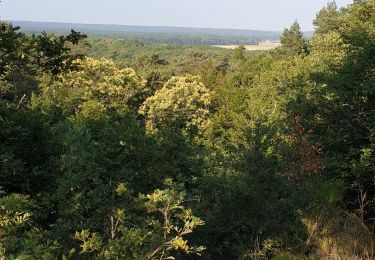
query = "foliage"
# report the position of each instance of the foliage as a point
(47, 52)
(98, 80)
(22, 57)
(292, 40)
(164, 233)
(109, 156)
(182, 104)
(328, 19)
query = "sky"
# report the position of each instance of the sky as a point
(272, 15)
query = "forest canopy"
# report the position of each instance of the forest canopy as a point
(115, 149)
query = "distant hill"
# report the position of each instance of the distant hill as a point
(156, 34)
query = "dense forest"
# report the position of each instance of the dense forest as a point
(116, 149)
(155, 34)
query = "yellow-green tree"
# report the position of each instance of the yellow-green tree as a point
(183, 103)
(95, 80)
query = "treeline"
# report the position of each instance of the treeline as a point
(197, 153)
(180, 38)
(156, 34)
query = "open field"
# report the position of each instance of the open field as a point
(258, 47)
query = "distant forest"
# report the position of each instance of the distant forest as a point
(122, 149)
(156, 34)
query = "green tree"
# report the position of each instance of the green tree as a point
(182, 104)
(46, 51)
(328, 19)
(292, 40)
(99, 80)
(22, 57)
(239, 53)
(162, 237)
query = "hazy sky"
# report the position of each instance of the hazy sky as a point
(242, 14)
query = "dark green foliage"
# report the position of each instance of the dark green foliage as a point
(47, 52)
(260, 156)
(23, 57)
(25, 146)
(353, 87)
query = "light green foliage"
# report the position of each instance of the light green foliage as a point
(182, 104)
(92, 110)
(165, 231)
(273, 151)
(358, 27)
(177, 222)
(13, 215)
(327, 51)
(239, 52)
(19, 239)
(98, 80)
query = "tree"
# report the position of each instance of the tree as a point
(22, 57)
(99, 80)
(46, 51)
(182, 104)
(353, 87)
(20, 237)
(292, 40)
(271, 149)
(161, 237)
(239, 53)
(328, 19)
